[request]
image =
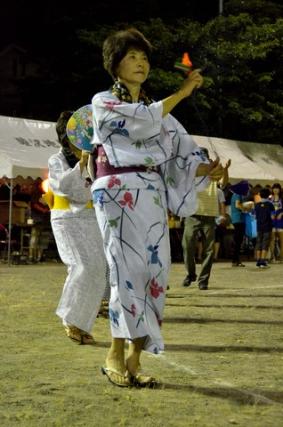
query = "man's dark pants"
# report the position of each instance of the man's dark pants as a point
(194, 224)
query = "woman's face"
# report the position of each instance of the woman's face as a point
(276, 190)
(133, 68)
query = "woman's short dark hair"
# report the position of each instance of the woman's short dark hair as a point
(61, 125)
(276, 185)
(116, 46)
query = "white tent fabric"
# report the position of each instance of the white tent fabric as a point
(255, 162)
(25, 146)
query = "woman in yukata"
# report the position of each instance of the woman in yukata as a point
(77, 237)
(145, 163)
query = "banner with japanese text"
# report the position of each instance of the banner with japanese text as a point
(25, 146)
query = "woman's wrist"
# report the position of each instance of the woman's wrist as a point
(203, 169)
(180, 94)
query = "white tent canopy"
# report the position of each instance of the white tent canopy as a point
(255, 162)
(25, 146)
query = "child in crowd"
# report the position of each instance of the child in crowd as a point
(263, 211)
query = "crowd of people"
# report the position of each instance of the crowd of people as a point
(111, 208)
(234, 228)
(263, 205)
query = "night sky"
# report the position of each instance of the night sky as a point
(30, 22)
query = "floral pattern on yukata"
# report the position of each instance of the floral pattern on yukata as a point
(136, 242)
(136, 134)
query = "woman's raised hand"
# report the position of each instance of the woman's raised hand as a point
(193, 81)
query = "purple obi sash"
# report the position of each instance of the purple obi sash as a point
(103, 167)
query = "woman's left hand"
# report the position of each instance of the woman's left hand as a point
(216, 173)
(84, 159)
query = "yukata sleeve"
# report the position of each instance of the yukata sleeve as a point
(67, 182)
(131, 134)
(179, 172)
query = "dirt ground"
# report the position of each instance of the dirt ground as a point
(223, 363)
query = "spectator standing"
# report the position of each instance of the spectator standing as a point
(239, 190)
(263, 212)
(203, 223)
(277, 224)
(40, 215)
(4, 189)
(221, 222)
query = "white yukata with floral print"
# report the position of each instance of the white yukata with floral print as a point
(131, 208)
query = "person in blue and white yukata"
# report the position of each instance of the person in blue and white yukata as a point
(146, 163)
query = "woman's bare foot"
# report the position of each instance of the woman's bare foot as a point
(115, 367)
(116, 356)
(134, 354)
(115, 364)
(133, 364)
(137, 377)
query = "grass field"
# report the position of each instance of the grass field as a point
(223, 363)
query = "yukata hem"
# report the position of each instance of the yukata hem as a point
(72, 320)
(150, 345)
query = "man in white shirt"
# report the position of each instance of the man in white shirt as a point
(210, 206)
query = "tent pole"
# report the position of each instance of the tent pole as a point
(10, 221)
